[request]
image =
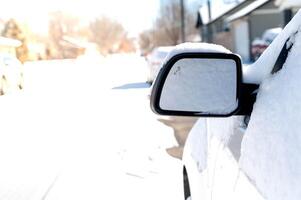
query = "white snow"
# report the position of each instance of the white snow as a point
(197, 143)
(271, 147)
(261, 69)
(69, 125)
(288, 3)
(189, 47)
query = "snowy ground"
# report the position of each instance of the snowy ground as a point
(83, 130)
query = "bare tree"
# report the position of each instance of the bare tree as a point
(167, 27)
(168, 24)
(61, 25)
(107, 34)
(13, 30)
(146, 42)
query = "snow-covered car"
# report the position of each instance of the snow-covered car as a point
(155, 60)
(259, 45)
(11, 73)
(247, 145)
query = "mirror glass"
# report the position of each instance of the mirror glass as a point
(201, 85)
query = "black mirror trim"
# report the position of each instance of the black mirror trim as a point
(160, 80)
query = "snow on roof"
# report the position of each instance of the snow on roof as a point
(9, 42)
(74, 42)
(247, 10)
(218, 10)
(288, 3)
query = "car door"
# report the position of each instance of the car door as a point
(211, 158)
(262, 161)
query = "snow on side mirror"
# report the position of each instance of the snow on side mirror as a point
(198, 84)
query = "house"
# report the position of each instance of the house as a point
(246, 21)
(72, 47)
(211, 17)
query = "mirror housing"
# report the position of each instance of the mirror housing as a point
(198, 84)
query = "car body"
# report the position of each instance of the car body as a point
(259, 45)
(11, 73)
(155, 60)
(254, 153)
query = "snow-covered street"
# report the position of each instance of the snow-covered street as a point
(83, 129)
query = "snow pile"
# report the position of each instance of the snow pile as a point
(271, 148)
(261, 69)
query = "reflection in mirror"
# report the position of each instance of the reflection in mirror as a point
(207, 86)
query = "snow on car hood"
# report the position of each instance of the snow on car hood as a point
(271, 147)
(262, 68)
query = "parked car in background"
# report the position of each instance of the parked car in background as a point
(259, 45)
(155, 60)
(11, 73)
(246, 145)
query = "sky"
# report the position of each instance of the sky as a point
(135, 15)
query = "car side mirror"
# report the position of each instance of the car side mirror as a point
(198, 84)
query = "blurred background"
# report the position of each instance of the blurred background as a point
(68, 28)
(75, 82)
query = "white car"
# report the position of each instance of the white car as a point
(155, 60)
(259, 45)
(11, 73)
(248, 143)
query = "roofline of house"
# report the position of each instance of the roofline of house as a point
(247, 10)
(227, 12)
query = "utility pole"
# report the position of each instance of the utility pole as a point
(288, 15)
(209, 27)
(209, 10)
(182, 21)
